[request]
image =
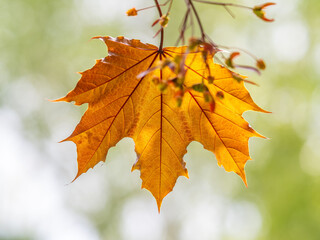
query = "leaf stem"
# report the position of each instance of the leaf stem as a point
(162, 31)
(203, 35)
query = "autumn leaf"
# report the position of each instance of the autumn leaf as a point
(124, 105)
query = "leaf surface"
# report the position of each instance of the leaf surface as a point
(124, 105)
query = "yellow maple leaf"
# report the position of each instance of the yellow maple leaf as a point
(122, 104)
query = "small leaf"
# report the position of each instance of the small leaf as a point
(260, 64)
(229, 61)
(259, 11)
(237, 77)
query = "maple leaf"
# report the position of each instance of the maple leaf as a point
(122, 104)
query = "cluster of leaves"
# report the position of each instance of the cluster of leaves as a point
(164, 98)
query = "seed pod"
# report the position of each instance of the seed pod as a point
(132, 12)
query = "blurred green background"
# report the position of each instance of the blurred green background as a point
(42, 46)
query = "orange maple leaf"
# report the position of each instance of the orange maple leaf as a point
(124, 105)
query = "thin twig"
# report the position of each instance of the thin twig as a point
(229, 11)
(183, 27)
(242, 50)
(145, 8)
(169, 8)
(224, 4)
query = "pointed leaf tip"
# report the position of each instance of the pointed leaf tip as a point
(63, 99)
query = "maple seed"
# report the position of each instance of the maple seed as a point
(258, 11)
(210, 79)
(164, 20)
(162, 86)
(220, 95)
(179, 96)
(132, 12)
(237, 77)
(208, 47)
(212, 105)
(207, 96)
(200, 88)
(156, 80)
(194, 43)
(260, 64)
(229, 61)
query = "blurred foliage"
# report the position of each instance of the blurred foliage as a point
(43, 44)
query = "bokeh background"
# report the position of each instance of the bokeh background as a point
(42, 46)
